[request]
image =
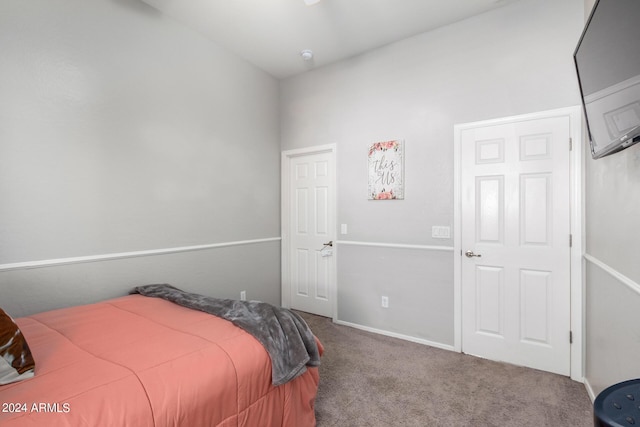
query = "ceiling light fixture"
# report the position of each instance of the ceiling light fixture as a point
(311, 2)
(307, 54)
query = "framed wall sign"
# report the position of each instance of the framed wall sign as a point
(386, 170)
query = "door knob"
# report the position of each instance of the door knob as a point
(325, 251)
(470, 254)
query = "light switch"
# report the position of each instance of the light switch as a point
(343, 228)
(441, 232)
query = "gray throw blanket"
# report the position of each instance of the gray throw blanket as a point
(283, 333)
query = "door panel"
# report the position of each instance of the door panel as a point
(515, 214)
(489, 290)
(535, 292)
(535, 204)
(490, 202)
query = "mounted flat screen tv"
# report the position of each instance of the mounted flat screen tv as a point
(607, 61)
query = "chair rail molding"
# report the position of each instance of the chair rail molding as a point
(134, 254)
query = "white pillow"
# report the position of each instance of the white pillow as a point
(16, 362)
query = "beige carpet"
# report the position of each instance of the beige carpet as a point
(372, 380)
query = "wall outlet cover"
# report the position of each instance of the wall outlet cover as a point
(441, 232)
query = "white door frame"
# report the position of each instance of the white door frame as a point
(577, 228)
(285, 165)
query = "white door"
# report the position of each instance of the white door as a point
(515, 214)
(310, 230)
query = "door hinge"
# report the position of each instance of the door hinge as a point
(570, 144)
(570, 240)
(570, 337)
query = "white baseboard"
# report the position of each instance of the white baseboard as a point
(395, 335)
(590, 391)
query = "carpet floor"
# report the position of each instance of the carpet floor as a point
(370, 380)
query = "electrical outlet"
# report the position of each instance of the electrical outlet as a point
(385, 302)
(243, 295)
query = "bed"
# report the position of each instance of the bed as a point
(141, 361)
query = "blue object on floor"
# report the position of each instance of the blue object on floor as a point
(618, 405)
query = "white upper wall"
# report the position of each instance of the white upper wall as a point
(122, 130)
(588, 5)
(517, 59)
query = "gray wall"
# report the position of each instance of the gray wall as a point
(121, 130)
(612, 193)
(514, 60)
(221, 272)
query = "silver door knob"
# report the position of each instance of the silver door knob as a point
(470, 254)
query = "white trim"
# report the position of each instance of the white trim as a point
(395, 335)
(457, 240)
(630, 283)
(590, 392)
(558, 112)
(578, 293)
(395, 245)
(317, 149)
(577, 228)
(124, 255)
(285, 164)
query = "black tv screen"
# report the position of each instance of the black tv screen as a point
(607, 61)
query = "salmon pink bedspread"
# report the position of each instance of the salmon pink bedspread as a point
(138, 361)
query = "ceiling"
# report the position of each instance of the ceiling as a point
(272, 33)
